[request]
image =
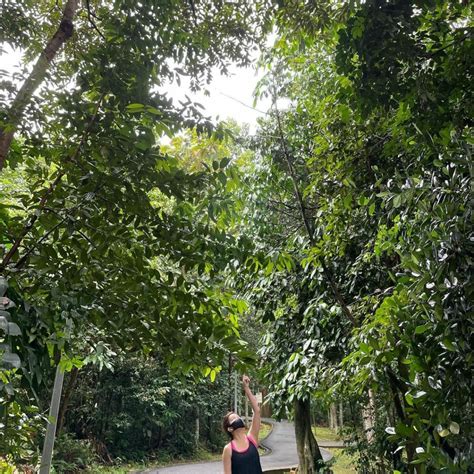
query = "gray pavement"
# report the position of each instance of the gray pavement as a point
(281, 442)
(325, 443)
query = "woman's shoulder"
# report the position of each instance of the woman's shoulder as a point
(227, 448)
(252, 439)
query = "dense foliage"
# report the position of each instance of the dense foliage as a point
(106, 240)
(139, 410)
(377, 299)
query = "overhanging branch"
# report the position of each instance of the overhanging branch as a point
(54, 184)
(37, 76)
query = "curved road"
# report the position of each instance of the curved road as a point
(283, 454)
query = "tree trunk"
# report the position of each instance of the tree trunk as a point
(333, 416)
(230, 382)
(67, 395)
(309, 455)
(266, 408)
(341, 415)
(236, 394)
(368, 417)
(196, 433)
(302, 207)
(398, 388)
(37, 76)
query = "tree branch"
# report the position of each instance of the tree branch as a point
(90, 15)
(327, 273)
(32, 220)
(37, 76)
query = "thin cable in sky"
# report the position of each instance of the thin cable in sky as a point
(243, 103)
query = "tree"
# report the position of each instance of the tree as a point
(379, 135)
(111, 242)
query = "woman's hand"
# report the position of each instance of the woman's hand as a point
(255, 426)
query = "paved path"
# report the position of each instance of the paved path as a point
(326, 443)
(283, 454)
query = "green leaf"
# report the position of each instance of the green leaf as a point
(365, 348)
(397, 201)
(449, 345)
(224, 162)
(213, 375)
(423, 328)
(135, 107)
(152, 110)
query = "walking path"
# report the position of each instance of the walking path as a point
(324, 443)
(281, 441)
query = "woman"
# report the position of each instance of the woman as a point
(241, 456)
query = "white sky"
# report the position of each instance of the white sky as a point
(227, 93)
(230, 96)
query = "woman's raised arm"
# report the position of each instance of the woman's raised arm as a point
(255, 426)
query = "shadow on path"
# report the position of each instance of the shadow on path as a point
(282, 445)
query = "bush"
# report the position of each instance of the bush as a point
(72, 455)
(139, 410)
(20, 422)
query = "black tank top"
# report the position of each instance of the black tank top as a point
(248, 461)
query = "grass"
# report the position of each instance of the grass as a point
(122, 469)
(200, 456)
(325, 433)
(265, 430)
(343, 463)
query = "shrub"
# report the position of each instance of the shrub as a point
(139, 410)
(72, 455)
